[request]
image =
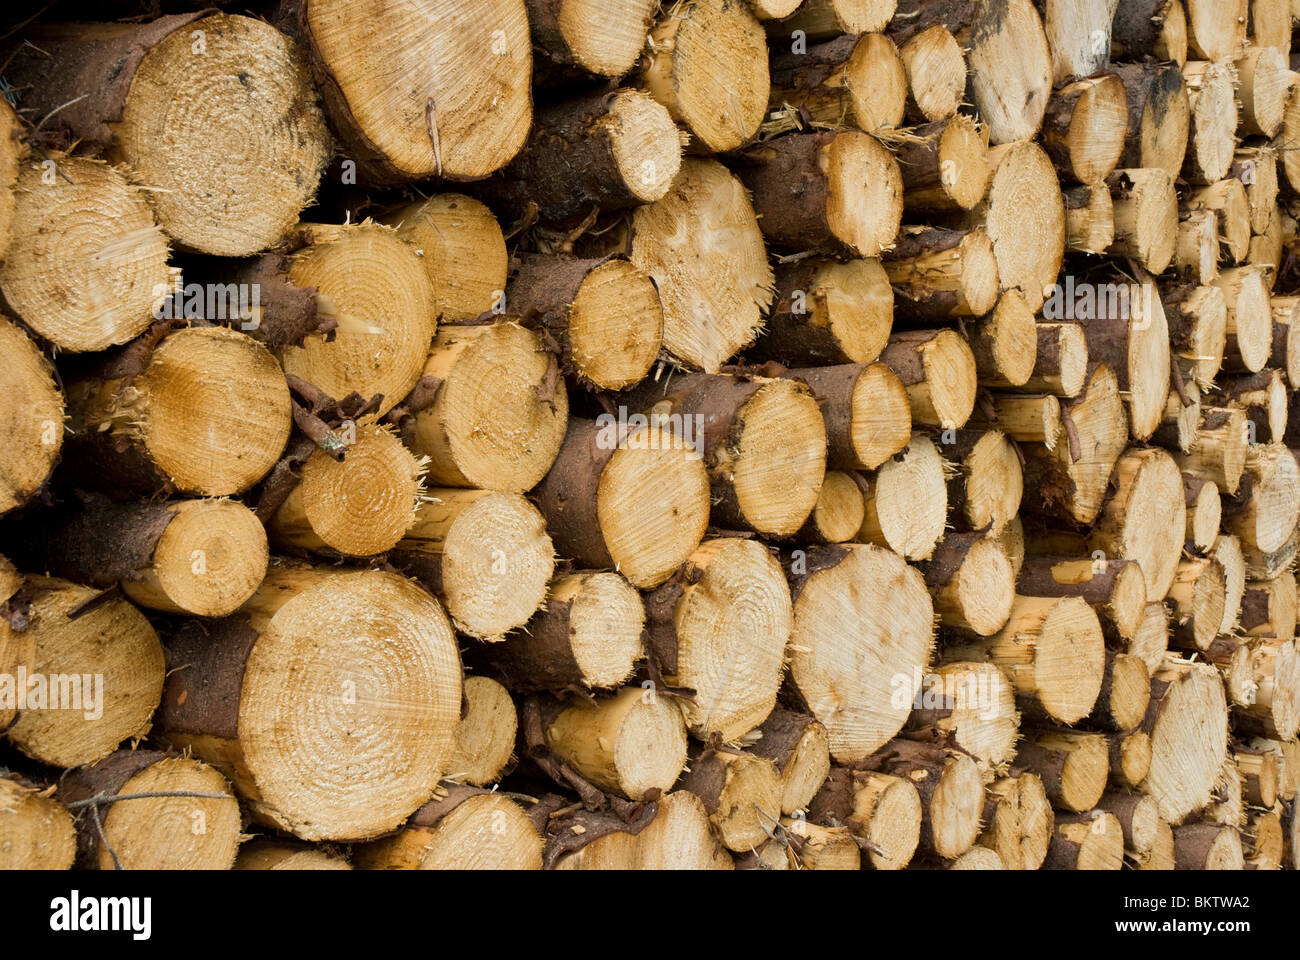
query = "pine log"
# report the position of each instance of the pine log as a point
(945, 169)
(1286, 338)
(316, 655)
(839, 512)
(1256, 167)
(855, 80)
(865, 409)
(1058, 484)
(589, 35)
(1264, 81)
(1130, 757)
(485, 554)
(1072, 765)
(198, 557)
(1204, 512)
(601, 151)
(158, 96)
(1144, 520)
(1273, 709)
(1025, 418)
(763, 444)
(1089, 218)
(605, 315)
(14, 150)
(1212, 124)
(1198, 597)
(631, 743)
(951, 791)
(1139, 818)
(721, 630)
(905, 503)
(87, 264)
(1208, 846)
(94, 679)
(1196, 249)
(828, 312)
(1125, 692)
(31, 429)
(119, 829)
(939, 273)
(824, 848)
(1216, 29)
(467, 829)
(972, 707)
(702, 246)
(1150, 642)
(485, 735)
(1187, 724)
(1270, 24)
(1161, 854)
(972, 582)
(936, 73)
(1115, 588)
(679, 837)
(1018, 821)
(406, 101)
(800, 748)
(1010, 68)
(377, 291)
(707, 63)
(1159, 116)
(1078, 35)
(883, 811)
(1024, 216)
(1198, 329)
(887, 616)
(634, 500)
(1086, 841)
(837, 192)
(1260, 772)
(819, 19)
(36, 832)
(588, 635)
(1265, 516)
(1227, 200)
(1053, 652)
(937, 369)
(1266, 400)
(1005, 343)
(267, 854)
(498, 416)
(1145, 217)
(463, 251)
(1219, 450)
(986, 492)
(360, 506)
(1061, 361)
(1142, 27)
(1249, 318)
(741, 792)
(1085, 124)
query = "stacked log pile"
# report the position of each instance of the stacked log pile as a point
(606, 434)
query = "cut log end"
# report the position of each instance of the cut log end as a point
(485, 736)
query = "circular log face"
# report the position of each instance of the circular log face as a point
(349, 704)
(1189, 740)
(106, 670)
(87, 264)
(451, 100)
(870, 608)
(31, 429)
(218, 410)
(36, 832)
(232, 141)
